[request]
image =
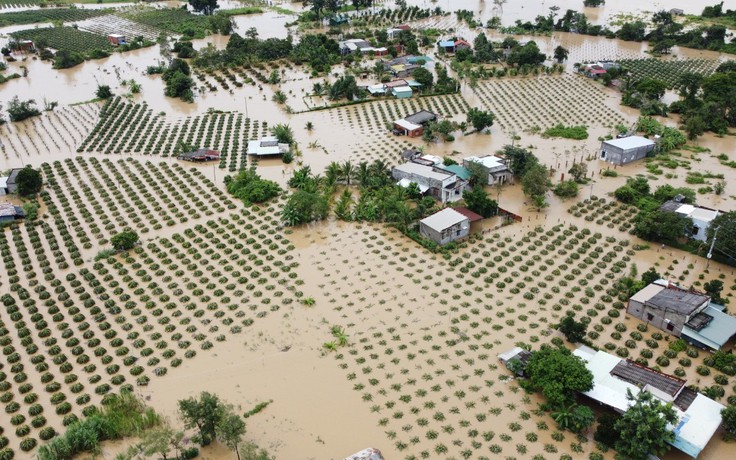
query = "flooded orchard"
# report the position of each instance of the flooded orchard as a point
(342, 333)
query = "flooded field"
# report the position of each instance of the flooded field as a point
(224, 298)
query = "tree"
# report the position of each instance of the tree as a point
(574, 330)
(478, 173)
(317, 6)
(561, 54)
(178, 82)
(250, 187)
(728, 415)
(103, 92)
(520, 160)
(480, 119)
(713, 288)
(725, 239)
(20, 110)
(527, 54)
(558, 374)
(566, 189)
(650, 276)
(124, 240)
(29, 181)
(303, 207)
(283, 133)
(535, 181)
(30, 209)
(230, 431)
(644, 427)
(477, 200)
(422, 76)
(574, 417)
(206, 7)
(204, 413)
(65, 59)
(579, 172)
(606, 432)
(666, 227)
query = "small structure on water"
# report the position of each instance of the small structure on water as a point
(515, 359)
(445, 226)
(10, 212)
(441, 185)
(267, 146)
(413, 125)
(116, 39)
(203, 154)
(686, 314)
(495, 167)
(627, 149)
(366, 454)
(9, 183)
(701, 216)
(26, 46)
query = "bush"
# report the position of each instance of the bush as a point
(124, 240)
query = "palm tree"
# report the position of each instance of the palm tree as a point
(363, 174)
(343, 208)
(333, 173)
(283, 133)
(348, 171)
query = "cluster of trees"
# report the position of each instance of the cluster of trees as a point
(707, 103)
(322, 8)
(645, 94)
(569, 188)
(178, 81)
(250, 187)
(29, 181)
(534, 176)
(20, 110)
(651, 223)
(345, 87)
(124, 240)
(206, 7)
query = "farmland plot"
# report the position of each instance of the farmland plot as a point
(546, 101)
(91, 328)
(66, 38)
(114, 24)
(668, 71)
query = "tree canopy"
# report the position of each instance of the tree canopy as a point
(206, 7)
(29, 181)
(480, 119)
(204, 413)
(20, 110)
(725, 244)
(250, 187)
(558, 374)
(124, 240)
(643, 428)
(477, 200)
(574, 330)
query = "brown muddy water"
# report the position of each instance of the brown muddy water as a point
(420, 368)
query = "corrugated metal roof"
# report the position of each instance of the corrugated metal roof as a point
(443, 219)
(631, 142)
(423, 171)
(717, 332)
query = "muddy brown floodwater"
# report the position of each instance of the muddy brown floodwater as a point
(418, 377)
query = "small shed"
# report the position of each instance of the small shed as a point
(9, 212)
(26, 46)
(116, 39)
(267, 146)
(445, 226)
(677, 12)
(408, 128)
(204, 154)
(627, 149)
(11, 184)
(402, 92)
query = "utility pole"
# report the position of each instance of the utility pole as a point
(710, 251)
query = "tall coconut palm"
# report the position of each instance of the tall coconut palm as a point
(333, 172)
(348, 171)
(363, 174)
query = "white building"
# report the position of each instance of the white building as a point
(267, 146)
(627, 149)
(701, 217)
(496, 168)
(442, 185)
(698, 416)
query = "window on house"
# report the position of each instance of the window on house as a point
(650, 316)
(670, 327)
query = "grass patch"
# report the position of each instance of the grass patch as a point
(241, 11)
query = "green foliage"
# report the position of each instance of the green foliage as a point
(643, 428)
(283, 133)
(666, 227)
(250, 187)
(178, 82)
(579, 172)
(566, 189)
(257, 409)
(477, 200)
(345, 87)
(520, 159)
(527, 54)
(724, 247)
(49, 15)
(29, 181)
(303, 207)
(30, 209)
(728, 414)
(180, 21)
(535, 181)
(103, 92)
(206, 7)
(713, 288)
(567, 132)
(480, 119)
(122, 416)
(66, 39)
(574, 417)
(423, 76)
(606, 432)
(573, 330)
(21, 110)
(124, 241)
(204, 413)
(558, 374)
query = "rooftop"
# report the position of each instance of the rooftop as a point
(13, 175)
(444, 219)
(421, 117)
(488, 161)
(10, 210)
(631, 142)
(717, 332)
(642, 376)
(677, 300)
(423, 171)
(458, 170)
(473, 217)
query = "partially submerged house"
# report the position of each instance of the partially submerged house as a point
(442, 185)
(515, 359)
(116, 39)
(366, 454)
(404, 66)
(267, 146)
(682, 313)
(594, 70)
(702, 217)
(26, 46)
(495, 167)
(359, 45)
(626, 149)
(402, 92)
(203, 154)
(9, 184)
(677, 12)
(413, 125)
(454, 45)
(9, 213)
(698, 416)
(394, 32)
(445, 226)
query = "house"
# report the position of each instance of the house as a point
(358, 45)
(448, 46)
(3, 186)
(267, 146)
(9, 212)
(11, 184)
(495, 167)
(413, 125)
(116, 39)
(442, 185)
(26, 46)
(404, 66)
(698, 416)
(366, 454)
(594, 70)
(410, 154)
(513, 356)
(401, 92)
(627, 149)
(476, 220)
(461, 44)
(204, 154)
(444, 226)
(702, 217)
(394, 32)
(677, 12)
(457, 170)
(686, 314)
